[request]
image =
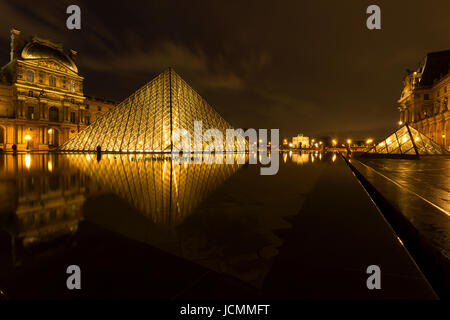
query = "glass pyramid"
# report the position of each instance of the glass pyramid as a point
(407, 141)
(144, 121)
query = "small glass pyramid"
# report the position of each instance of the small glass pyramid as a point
(407, 141)
(144, 121)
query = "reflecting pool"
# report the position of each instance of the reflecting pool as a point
(226, 218)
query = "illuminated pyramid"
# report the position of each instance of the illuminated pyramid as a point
(407, 141)
(144, 122)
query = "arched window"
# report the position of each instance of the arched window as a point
(52, 81)
(30, 76)
(53, 114)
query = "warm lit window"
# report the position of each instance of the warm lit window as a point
(30, 76)
(52, 81)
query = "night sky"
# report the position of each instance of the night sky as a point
(307, 67)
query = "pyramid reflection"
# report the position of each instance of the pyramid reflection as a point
(159, 188)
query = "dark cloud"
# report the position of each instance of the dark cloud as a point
(301, 66)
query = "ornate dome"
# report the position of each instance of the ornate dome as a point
(39, 50)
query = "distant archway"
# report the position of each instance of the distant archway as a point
(53, 114)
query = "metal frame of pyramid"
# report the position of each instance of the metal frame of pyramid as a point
(144, 121)
(406, 142)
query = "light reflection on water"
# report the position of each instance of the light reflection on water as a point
(45, 197)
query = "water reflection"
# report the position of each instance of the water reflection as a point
(44, 199)
(164, 191)
(39, 204)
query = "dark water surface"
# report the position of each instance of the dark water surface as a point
(224, 218)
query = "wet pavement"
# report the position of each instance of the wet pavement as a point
(145, 227)
(428, 177)
(416, 194)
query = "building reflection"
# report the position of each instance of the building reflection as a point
(41, 197)
(302, 158)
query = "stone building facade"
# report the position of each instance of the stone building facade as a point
(424, 100)
(42, 103)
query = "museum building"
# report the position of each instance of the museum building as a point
(423, 103)
(42, 103)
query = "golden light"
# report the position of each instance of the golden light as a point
(316, 145)
(290, 145)
(416, 139)
(369, 141)
(50, 131)
(50, 166)
(334, 142)
(334, 157)
(404, 139)
(285, 141)
(349, 141)
(443, 136)
(320, 142)
(400, 123)
(27, 161)
(27, 137)
(313, 140)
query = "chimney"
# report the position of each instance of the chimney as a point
(15, 44)
(73, 55)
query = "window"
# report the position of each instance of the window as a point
(72, 117)
(88, 120)
(52, 81)
(2, 135)
(72, 85)
(30, 76)
(99, 108)
(426, 96)
(30, 93)
(87, 107)
(30, 113)
(72, 100)
(53, 114)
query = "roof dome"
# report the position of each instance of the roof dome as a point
(39, 50)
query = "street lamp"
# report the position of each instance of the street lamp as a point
(334, 142)
(349, 141)
(369, 141)
(400, 123)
